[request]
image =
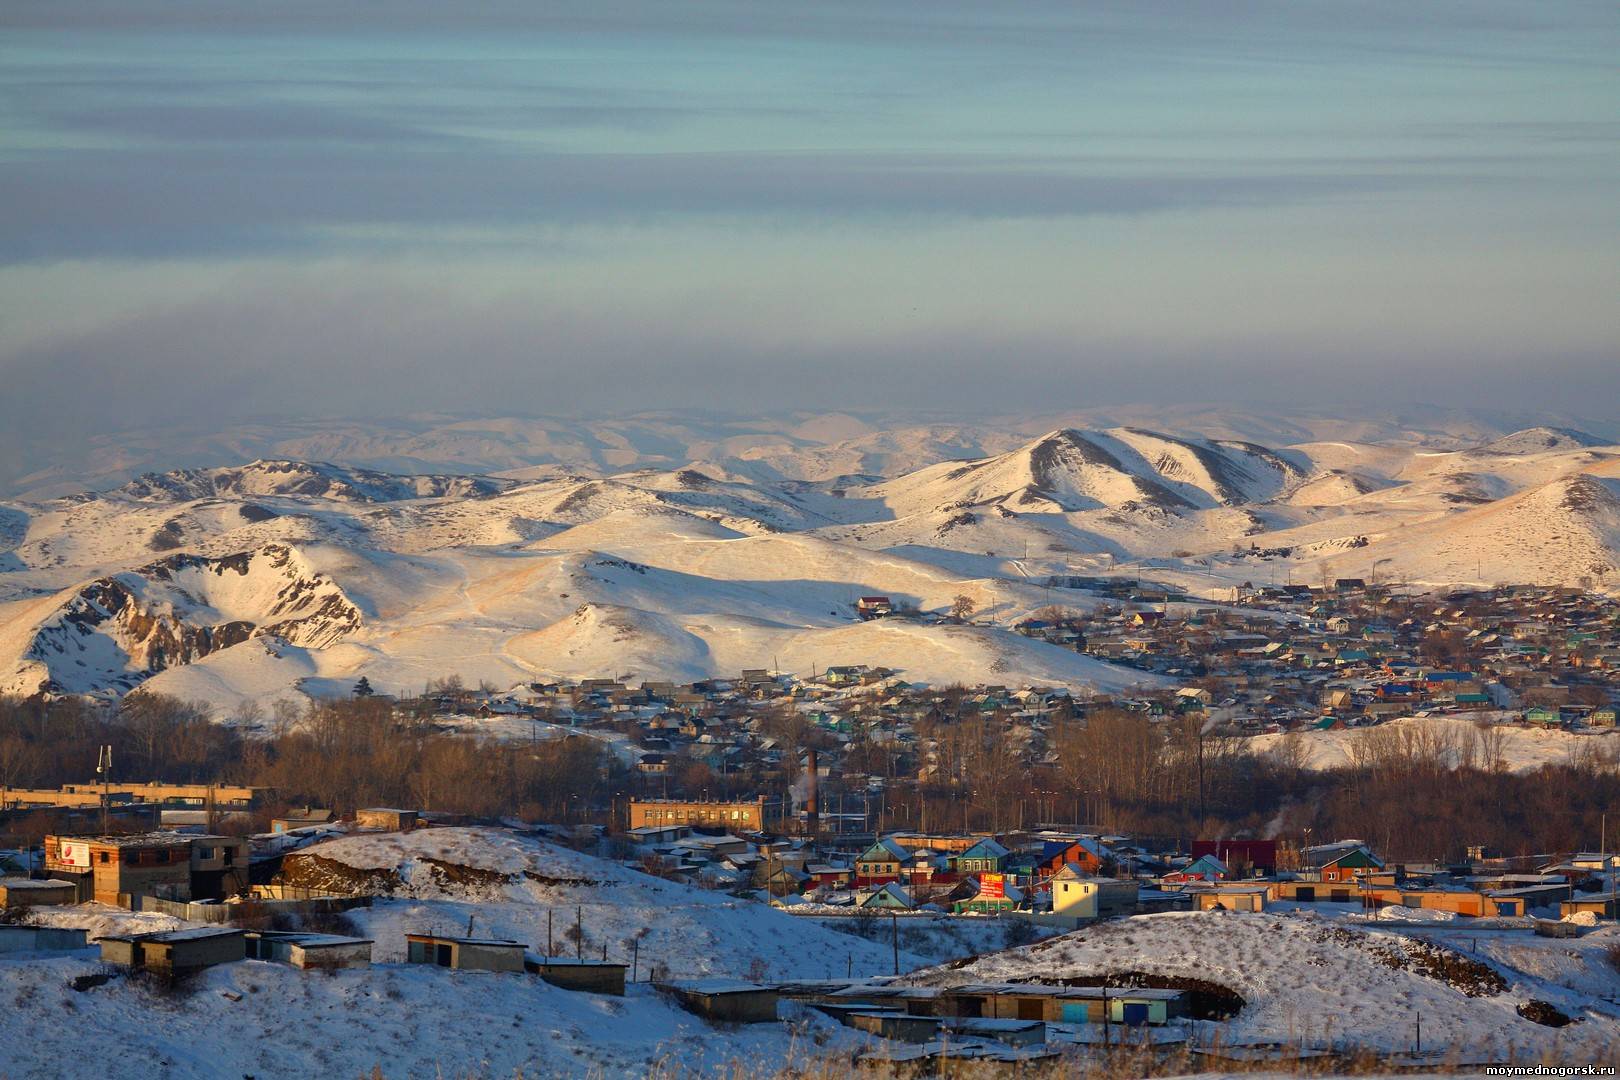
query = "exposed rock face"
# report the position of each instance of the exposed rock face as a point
(117, 631)
(1054, 459)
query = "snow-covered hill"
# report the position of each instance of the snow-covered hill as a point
(513, 885)
(1321, 983)
(116, 631)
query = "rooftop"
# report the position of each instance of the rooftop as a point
(196, 933)
(147, 839)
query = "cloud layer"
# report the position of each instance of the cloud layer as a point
(222, 208)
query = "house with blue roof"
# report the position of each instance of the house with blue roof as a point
(985, 857)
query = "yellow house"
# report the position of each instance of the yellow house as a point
(1078, 895)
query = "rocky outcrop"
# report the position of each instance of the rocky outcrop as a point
(115, 632)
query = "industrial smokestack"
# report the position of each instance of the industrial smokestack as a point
(812, 804)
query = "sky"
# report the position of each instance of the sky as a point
(211, 209)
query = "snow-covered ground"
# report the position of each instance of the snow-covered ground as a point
(520, 886)
(409, 1020)
(1317, 978)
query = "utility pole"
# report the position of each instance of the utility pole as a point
(894, 928)
(1603, 841)
(104, 767)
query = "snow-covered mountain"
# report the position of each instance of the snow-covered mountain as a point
(318, 479)
(261, 579)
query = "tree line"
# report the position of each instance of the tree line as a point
(1413, 793)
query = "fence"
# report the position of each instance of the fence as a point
(220, 914)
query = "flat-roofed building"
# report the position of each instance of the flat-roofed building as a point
(465, 954)
(385, 817)
(175, 952)
(18, 892)
(306, 950)
(575, 973)
(89, 795)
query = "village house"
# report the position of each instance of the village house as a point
(1345, 861)
(888, 896)
(985, 857)
(880, 863)
(874, 607)
(1077, 894)
(1203, 868)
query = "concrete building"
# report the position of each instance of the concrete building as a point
(300, 819)
(570, 973)
(1063, 1004)
(85, 796)
(383, 817)
(175, 952)
(465, 954)
(1604, 905)
(40, 939)
(728, 1001)
(16, 892)
(1230, 897)
(301, 950)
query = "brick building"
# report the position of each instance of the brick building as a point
(732, 816)
(175, 866)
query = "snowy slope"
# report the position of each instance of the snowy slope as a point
(511, 885)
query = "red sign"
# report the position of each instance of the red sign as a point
(992, 887)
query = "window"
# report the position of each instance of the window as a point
(205, 853)
(104, 857)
